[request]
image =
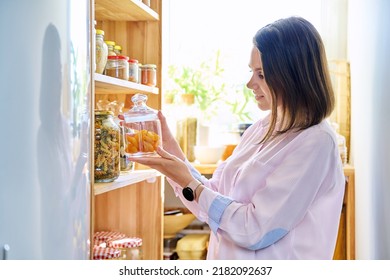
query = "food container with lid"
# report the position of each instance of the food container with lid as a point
(193, 247)
(133, 70)
(149, 75)
(143, 129)
(118, 67)
(106, 253)
(130, 247)
(107, 147)
(101, 51)
(111, 46)
(105, 236)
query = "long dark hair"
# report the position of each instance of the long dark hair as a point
(296, 71)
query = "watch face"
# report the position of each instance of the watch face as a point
(188, 194)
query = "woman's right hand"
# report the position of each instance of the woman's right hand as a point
(168, 140)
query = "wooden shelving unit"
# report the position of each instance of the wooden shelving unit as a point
(132, 204)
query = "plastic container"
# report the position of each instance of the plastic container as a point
(107, 147)
(133, 70)
(143, 128)
(193, 247)
(118, 67)
(101, 51)
(130, 247)
(149, 75)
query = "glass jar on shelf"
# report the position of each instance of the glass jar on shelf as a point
(143, 128)
(101, 51)
(131, 248)
(118, 67)
(118, 50)
(110, 47)
(107, 147)
(149, 75)
(133, 70)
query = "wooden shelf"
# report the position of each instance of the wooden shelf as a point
(124, 10)
(126, 179)
(109, 85)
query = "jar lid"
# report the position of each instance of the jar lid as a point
(104, 236)
(102, 253)
(140, 111)
(149, 66)
(122, 57)
(99, 32)
(117, 47)
(133, 60)
(129, 242)
(111, 43)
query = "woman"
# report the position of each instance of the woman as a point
(279, 195)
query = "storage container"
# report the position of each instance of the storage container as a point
(131, 248)
(101, 51)
(193, 247)
(149, 75)
(133, 70)
(111, 46)
(105, 253)
(118, 67)
(143, 128)
(107, 147)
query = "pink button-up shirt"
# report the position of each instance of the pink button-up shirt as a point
(279, 200)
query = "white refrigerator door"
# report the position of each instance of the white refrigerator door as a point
(45, 110)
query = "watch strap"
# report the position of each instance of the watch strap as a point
(189, 190)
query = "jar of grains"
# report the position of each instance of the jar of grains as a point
(101, 51)
(107, 147)
(149, 75)
(118, 67)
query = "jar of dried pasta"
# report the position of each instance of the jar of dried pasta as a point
(107, 147)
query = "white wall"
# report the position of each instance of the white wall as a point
(369, 55)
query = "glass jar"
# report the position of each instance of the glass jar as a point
(130, 248)
(106, 253)
(133, 70)
(143, 134)
(149, 75)
(110, 47)
(118, 49)
(118, 67)
(101, 51)
(107, 147)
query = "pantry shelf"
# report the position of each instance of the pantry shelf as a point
(109, 85)
(124, 180)
(124, 10)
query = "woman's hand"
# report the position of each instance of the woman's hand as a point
(169, 165)
(169, 142)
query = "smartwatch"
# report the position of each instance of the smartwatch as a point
(189, 190)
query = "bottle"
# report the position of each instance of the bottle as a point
(118, 49)
(143, 128)
(107, 147)
(101, 51)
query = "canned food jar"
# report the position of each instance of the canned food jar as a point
(133, 70)
(105, 236)
(130, 248)
(107, 147)
(110, 47)
(118, 67)
(101, 51)
(143, 134)
(149, 75)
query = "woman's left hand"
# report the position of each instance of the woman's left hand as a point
(169, 165)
